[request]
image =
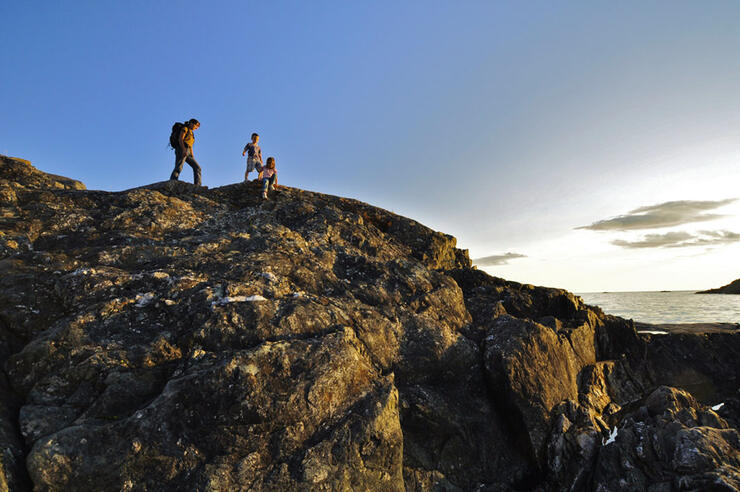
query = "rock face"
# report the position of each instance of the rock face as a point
(177, 338)
(731, 288)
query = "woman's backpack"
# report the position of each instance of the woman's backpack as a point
(175, 135)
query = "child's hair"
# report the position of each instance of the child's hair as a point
(193, 122)
(270, 163)
(255, 135)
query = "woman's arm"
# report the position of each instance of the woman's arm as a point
(181, 139)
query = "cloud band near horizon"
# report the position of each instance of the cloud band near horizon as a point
(680, 239)
(667, 214)
(495, 260)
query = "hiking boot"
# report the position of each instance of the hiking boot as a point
(264, 195)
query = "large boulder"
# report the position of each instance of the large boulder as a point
(670, 442)
(531, 368)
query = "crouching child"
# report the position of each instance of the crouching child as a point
(269, 177)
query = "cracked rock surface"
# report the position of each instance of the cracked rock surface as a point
(178, 338)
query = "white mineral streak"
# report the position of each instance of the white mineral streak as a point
(612, 437)
(227, 300)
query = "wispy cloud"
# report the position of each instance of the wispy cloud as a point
(656, 240)
(497, 259)
(681, 240)
(717, 237)
(666, 214)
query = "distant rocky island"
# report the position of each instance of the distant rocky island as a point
(178, 338)
(731, 288)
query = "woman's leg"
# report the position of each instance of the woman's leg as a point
(179, 161)
(196, 168)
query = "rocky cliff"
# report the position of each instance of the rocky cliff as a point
(731, 288)
(176, 338)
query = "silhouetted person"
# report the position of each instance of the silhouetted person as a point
(184, 150)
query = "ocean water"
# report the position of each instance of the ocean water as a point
(668, 307)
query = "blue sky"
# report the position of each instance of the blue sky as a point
(506, 124)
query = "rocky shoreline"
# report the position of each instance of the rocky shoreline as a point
(179, 338)
(687, 328)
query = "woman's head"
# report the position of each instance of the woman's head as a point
(270, 163)
(193, 123)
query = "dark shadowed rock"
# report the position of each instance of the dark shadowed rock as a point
(704, 364)
(172, 337)
(671, 442)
